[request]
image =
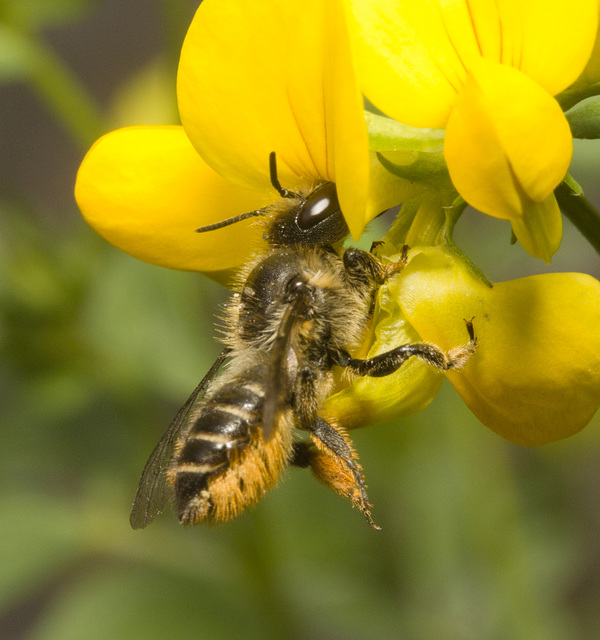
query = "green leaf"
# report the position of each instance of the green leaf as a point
(584, 119)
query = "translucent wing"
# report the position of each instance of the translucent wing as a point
(279, 373)
(153, 490)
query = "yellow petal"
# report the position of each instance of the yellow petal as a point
(539, 229)
(536, 374)
(591, 73)
(146, 190)
(414, 56)
(507, 141)
(347, 148)
(407, 65)
(260, 77)
(536, 29)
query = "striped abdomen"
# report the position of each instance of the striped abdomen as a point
(222, 464)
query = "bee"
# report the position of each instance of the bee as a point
(299, 309)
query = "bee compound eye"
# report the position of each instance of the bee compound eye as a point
(316, 222)
(320, 205)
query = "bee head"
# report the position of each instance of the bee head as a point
(313, 220)
(316, 220)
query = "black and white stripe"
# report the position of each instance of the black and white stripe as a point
(223, 427)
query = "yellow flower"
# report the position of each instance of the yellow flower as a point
(261, 77)
(486, 71)
(588, 83)
(591, 73)
(535, 376)
(253, 78)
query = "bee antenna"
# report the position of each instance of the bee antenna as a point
(233, 220)
(284, 193)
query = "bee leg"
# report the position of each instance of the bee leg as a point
(334, 463)
(365, 270)
(375, 244)
(302, 454)
(386, 363)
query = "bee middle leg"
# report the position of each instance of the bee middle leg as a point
(386, 363)
(334, 463)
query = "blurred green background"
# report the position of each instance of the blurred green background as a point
(481, 539)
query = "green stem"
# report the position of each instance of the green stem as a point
(64, 95)
(580, 211)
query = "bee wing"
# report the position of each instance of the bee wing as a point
(279, 373)
(153, 490)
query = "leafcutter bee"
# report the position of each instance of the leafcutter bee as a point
(299, 309)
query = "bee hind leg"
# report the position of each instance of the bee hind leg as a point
(333, 462)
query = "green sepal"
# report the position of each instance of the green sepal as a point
(386, 134)
(411, 153)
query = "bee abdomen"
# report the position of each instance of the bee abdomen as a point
(222, 429)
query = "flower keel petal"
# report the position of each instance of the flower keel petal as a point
(539, 229)
(535, 377)
(370, 401)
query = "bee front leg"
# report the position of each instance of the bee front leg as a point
(363, 269)
(333, 462)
